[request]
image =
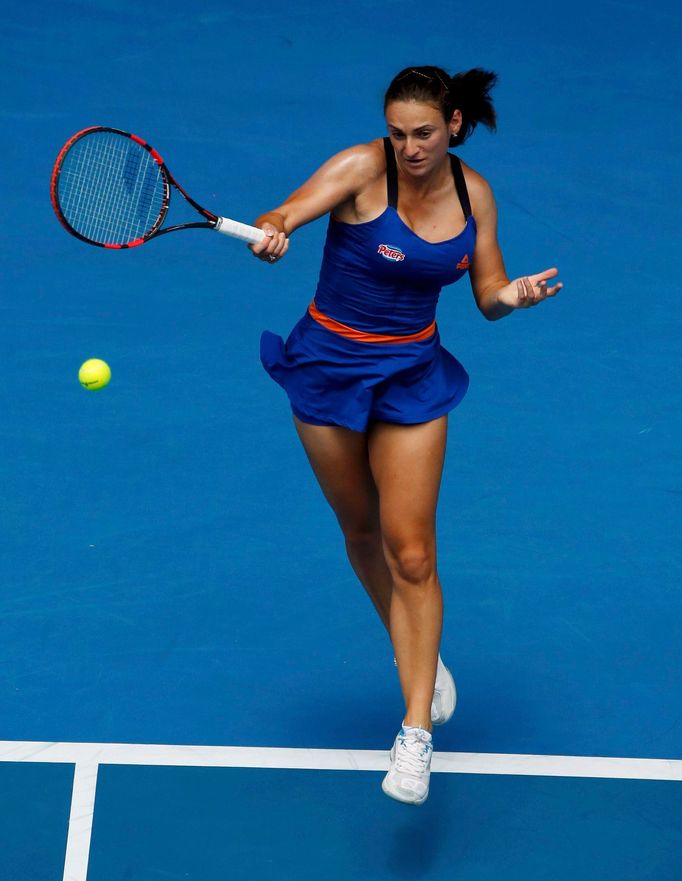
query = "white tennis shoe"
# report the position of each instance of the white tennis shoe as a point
(444, 696)
(410, 769)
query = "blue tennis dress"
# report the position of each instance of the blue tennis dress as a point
(368, 347)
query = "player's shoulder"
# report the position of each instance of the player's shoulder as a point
(477, 185)
(480, 191)
(364, 162)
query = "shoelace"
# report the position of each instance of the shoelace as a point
(412, 755)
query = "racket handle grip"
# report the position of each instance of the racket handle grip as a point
(237, 230)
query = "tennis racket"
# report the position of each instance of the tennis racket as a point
(112, 189)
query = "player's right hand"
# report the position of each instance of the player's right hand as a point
(273, 247)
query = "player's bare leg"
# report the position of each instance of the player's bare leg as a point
(407, 463)
(339, 459)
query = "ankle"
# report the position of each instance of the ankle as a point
(409, 723)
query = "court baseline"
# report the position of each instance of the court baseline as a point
(86, 757)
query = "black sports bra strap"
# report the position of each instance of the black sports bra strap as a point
(391, 174)
(460, 185)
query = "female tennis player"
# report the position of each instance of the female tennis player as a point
(369, 383)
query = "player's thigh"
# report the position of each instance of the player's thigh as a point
(339, 459)
(407, 464)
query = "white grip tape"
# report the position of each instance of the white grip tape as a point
(239, 230)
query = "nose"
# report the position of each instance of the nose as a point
(411, 147)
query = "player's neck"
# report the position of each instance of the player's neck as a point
(423, 186)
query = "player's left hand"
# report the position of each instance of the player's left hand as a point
(522, 293)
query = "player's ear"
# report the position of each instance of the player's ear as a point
(455, 123)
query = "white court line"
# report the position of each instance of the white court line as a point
(88, 756)
(334, 759)
(80, 822)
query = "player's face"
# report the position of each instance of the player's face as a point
(420, 135)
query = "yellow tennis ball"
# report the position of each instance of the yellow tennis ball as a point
(94, 374)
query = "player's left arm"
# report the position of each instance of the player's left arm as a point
(495, 295)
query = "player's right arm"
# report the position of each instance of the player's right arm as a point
(335, 185)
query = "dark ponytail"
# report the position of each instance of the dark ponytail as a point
(468, 92)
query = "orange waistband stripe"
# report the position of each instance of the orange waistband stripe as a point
(361, 336)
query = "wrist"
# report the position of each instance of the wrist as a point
(273, 219)
(496, 307)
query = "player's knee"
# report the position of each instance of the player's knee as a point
(412, 563)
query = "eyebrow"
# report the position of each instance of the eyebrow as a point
(417, 128)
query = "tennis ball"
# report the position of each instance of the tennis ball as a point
(94, 374)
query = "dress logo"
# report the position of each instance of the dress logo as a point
(391, 253)
(464, 263)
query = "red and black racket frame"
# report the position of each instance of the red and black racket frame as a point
(168, 179)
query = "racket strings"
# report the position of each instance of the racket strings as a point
(110, 189)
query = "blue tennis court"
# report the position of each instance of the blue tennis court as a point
(193, 684)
